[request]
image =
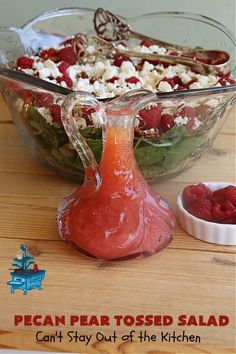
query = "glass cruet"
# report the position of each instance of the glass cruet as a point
(114, 215)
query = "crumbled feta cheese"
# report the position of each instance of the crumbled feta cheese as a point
(127, 67)
(185, 77)
(212, 80)
(45, 112)
(38, 65)
(44, 73)
(99, 69)
(196, 124)
(63, 84)
(203, 81)
(110, 72)
(54, 71)
(195, 85)
(29, 71)
(164, 87)
(181, 120)
(155, 49)
(97, 118)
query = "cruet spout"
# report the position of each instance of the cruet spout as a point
(131, 102)
(74, 108)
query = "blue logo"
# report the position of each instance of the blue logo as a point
(23, 276)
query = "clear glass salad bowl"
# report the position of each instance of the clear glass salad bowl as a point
(158, 157)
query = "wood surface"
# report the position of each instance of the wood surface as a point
(189, 277)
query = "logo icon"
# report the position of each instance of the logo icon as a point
(23, 276)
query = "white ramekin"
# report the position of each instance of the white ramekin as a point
(221, 234)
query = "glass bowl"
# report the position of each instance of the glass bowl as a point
(177, 149)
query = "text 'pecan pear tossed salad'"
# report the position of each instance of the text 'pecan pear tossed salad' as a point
(166, 133)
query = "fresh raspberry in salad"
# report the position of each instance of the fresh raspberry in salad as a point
(167, 122)
(119, 60)
(25, 63)
(151, 117)
(110, 77)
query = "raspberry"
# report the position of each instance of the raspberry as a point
(169, 80)
(230, 194)
(63, 66)
(177, 80)
(27, 96)
(25, 63)
(222, 211)
(50, 53)
(181, 88)
(132, 80)
(153, 62)
(173, 81)
(67, 42)
(68, 55)
(165, 65)
(119, 59)
(191, 82)
(66, 79)
(151, 116)
(44, 99)
(146, 43)
(223, 194)
(187, 111)
(231, 220)
(227, 205)
(15, 87)
(223, 81)
(193, 192)
(232, 81)
(218, 196)
(190, 113)
(113, 79)
(173, 53)
(55, 110)
(88, 109)
(201, 208)
(167, 122)
(226, 76)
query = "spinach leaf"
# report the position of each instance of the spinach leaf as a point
(49, 134)
(173, 135)
(73, 162)
(96, 147)
(155, 158)
(149, 155)
(180, 151)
